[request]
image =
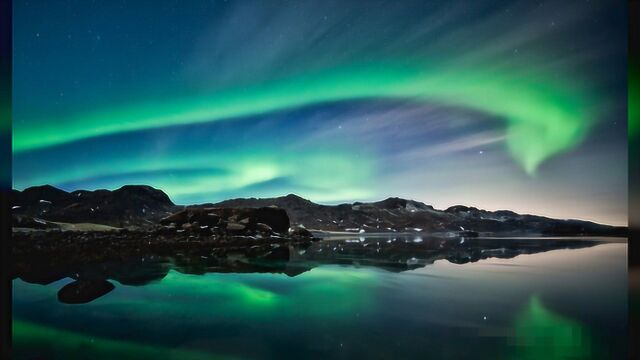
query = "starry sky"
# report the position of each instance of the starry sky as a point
(517, 105)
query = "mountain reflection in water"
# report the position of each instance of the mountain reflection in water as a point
(369, 297)
(395, 254)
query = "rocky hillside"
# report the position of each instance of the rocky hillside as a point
(136, 205)
(130, 205)
(401, 215)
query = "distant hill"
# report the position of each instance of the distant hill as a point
(400, 215)
(130, 205)
(137, 205)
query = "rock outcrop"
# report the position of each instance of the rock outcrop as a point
(236, 221)
(84, 291)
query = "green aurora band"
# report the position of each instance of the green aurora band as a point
(255, 296)
(28, 335)
(542, 334)
(246, 297)
(544, 114)
(248, 166)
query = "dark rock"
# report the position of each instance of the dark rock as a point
(203, 230)
(166, 230)
(264, 228)
(178, 218)
(235, 227)
(204, 218)
(84, 291)
(300, 231)
(275, 218)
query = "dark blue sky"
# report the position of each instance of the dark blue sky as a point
(499, 104)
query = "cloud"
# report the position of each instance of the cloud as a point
(452, 146)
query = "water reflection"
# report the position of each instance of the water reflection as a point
(394, 254)
(340, 298)
(542, 334)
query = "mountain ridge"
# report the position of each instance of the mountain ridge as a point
(136, 205)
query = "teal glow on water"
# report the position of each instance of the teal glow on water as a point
(564, 303)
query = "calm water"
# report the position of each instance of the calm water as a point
(350, 298)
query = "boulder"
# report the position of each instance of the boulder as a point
(204, 218)
(178, 218)
(263, 228)
(300, 231)
(235, 227)
(275, 218)
(84, 291)
(203, 230)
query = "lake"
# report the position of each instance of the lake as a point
(343, 298)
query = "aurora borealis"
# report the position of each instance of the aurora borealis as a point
(537, 126)
(518, 105)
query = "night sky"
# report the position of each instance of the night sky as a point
(515, 105)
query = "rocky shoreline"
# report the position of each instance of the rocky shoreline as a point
(256, 233)
(45, 256)
(102, 245)
(94, 237)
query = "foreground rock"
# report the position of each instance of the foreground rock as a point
(260, 233)
(84, 291)
(103, 245)
(249, 221)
